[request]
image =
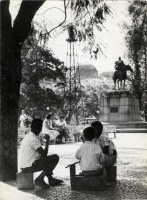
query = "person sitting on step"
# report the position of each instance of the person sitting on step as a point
(33, 158)
(60, 125)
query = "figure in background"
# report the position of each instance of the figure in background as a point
(22, 119)
(61, 126)
(48, 127)
(33, 158)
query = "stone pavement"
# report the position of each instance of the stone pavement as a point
(131, 174)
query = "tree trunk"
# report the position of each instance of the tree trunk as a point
(10, 85)
(9, 113)
(12, 39)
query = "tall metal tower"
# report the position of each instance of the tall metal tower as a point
(72, 92)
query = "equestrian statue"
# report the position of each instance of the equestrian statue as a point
(120, 74)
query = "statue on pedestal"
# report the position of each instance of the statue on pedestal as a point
(120, 74)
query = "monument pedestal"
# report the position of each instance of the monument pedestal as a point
(119, 106)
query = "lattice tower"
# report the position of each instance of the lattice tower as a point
(72, 92)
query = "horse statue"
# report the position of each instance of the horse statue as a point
(120, 76)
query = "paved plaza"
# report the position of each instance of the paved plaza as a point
(131, 174)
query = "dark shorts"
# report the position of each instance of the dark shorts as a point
(98, 172)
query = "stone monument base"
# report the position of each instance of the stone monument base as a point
(119, 106)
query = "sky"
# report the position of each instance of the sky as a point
(111, 38)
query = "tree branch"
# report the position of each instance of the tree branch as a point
(51, 9)
(22, 23)
(62, 21)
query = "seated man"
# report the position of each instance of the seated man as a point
(90, 155)
(32, 157)
(61, 126)
(106, 144)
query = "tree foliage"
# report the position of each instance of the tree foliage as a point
(91, 99)
(88, 17)
(40, 64)
(136, 40)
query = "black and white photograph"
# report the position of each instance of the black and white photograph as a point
(73, 94)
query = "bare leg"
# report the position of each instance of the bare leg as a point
(75, 137)
(115, 84)
(124, 84)
(118, 84)
(121, 85)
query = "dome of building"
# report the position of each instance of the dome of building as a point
(88, 71)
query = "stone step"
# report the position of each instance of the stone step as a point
(130, 125)
(131, 130)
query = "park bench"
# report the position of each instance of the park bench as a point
(80, 182)
(108, 128)
(77, 130)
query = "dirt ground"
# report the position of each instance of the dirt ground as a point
(131, 174)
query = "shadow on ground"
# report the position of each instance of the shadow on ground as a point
(122, 189)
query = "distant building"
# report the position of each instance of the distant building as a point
(89, 77)
(88, 71)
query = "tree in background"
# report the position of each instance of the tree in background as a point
(136, 40)
(91, 102)
(107, 75)
(91, 99)
(13, 36)
(40, 64)
(89, 16)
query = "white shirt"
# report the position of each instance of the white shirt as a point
(61, 123)
(27, 153)
(90, 156)
(45, 127)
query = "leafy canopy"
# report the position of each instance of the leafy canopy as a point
(40, 64)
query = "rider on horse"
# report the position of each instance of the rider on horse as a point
(120, 66)
(120, 73)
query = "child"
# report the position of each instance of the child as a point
(90, 154)
(106, 144)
